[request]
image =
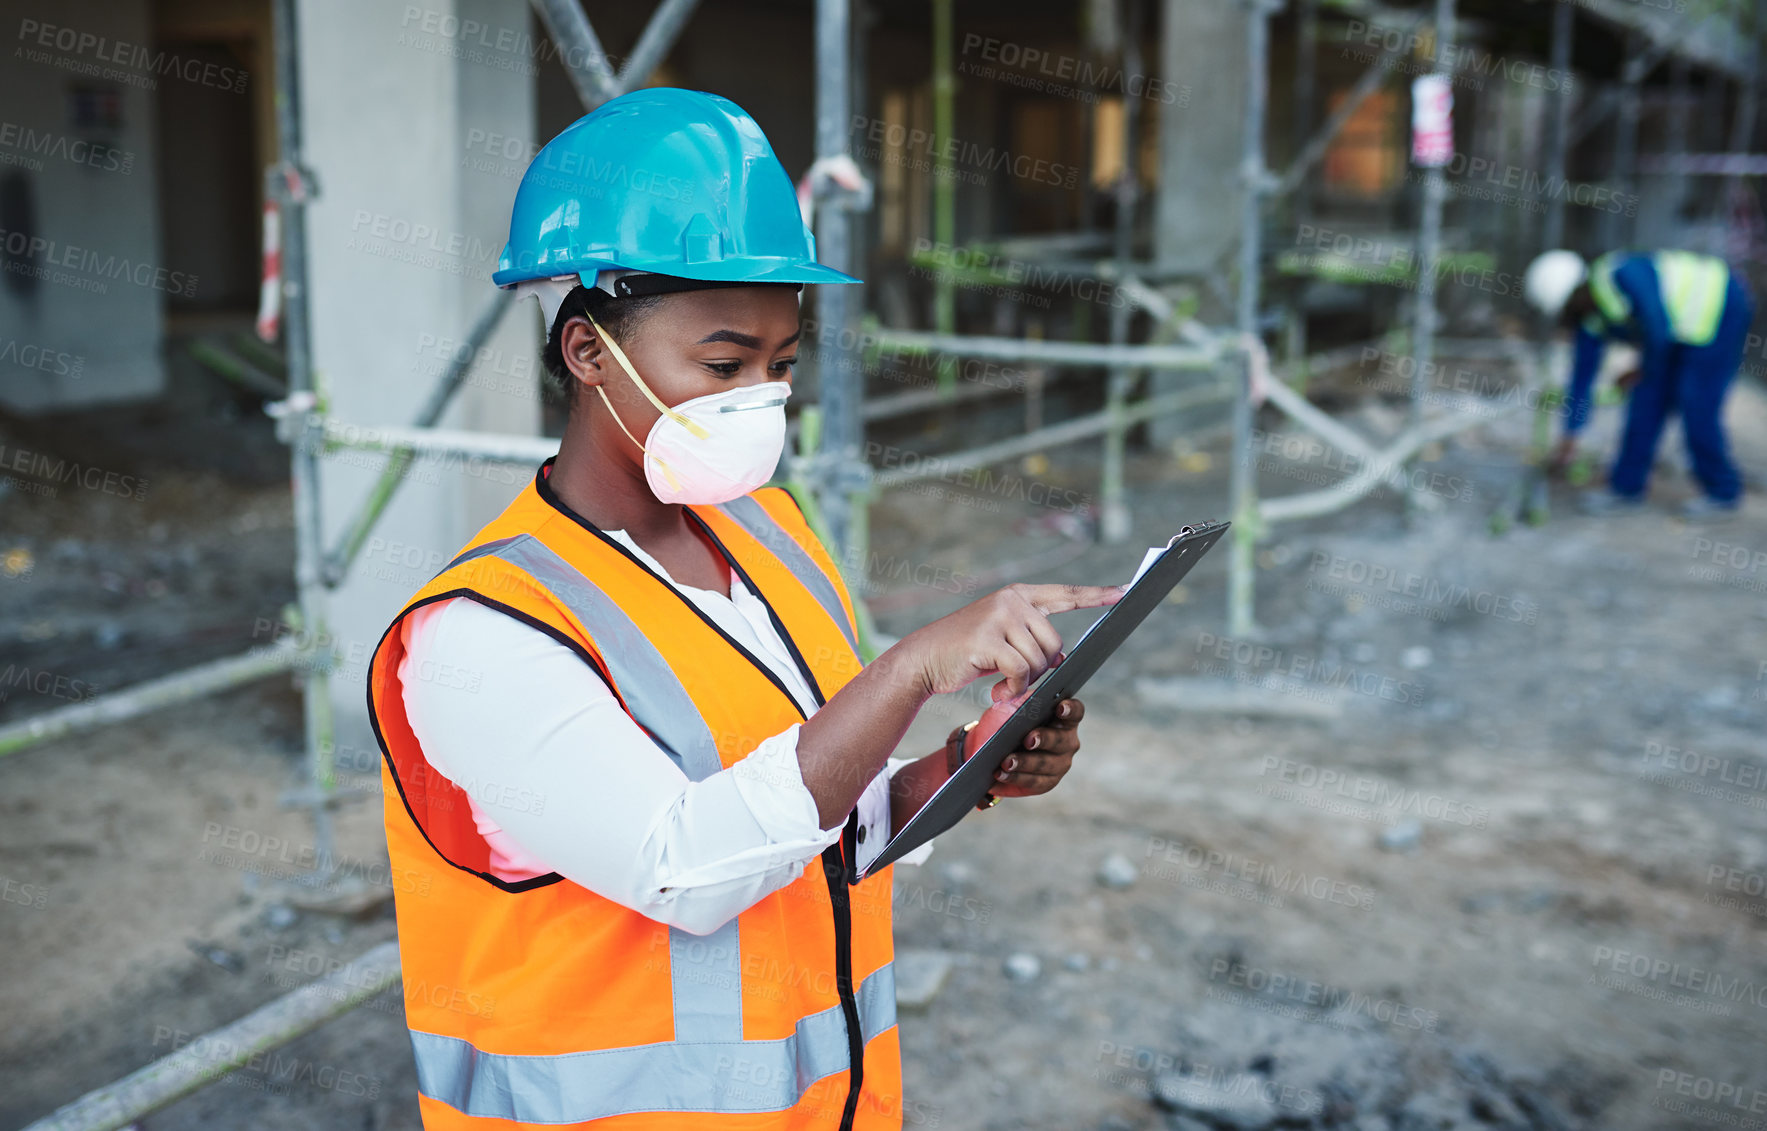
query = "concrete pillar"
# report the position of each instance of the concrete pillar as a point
(85, 283)
(1200, 186)
(1199, 183)
(418, 124)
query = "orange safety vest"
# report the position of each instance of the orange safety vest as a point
(540, 1002)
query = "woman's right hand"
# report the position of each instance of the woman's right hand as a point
(842, 747)
(1006, 633)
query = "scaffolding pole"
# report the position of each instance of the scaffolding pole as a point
(1038, 350)
(659, 35)
(1626, 133)
(1054, 435)
(494, 447)
(295, 190)
(1306, 70)
(116, 706)
(1680, 121)
(1114, 524)
(944, 184)
(1742, 125)
(839, 374)
(1558, 138)
(592, 77)
(1306, 94)
(1429, 236)
(1243, 483)
(1369, 476)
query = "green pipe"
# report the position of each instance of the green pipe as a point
(260, 353)
(237, 370)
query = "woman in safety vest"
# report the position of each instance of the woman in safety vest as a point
(625, 720)
(1689, 316)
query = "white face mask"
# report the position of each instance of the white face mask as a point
(709, 449)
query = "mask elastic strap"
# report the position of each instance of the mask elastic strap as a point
(694, 428)
(668, 472)
(669, 475)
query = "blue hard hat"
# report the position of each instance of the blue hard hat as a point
(672, 182)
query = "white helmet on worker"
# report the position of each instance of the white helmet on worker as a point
(1551, 278)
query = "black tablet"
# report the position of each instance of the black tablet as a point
(966, 788)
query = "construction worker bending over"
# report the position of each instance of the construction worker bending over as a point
(1689, 316)
(631, 748)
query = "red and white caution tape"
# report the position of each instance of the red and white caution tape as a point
(270, 288)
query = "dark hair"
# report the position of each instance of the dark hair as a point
(618, 316)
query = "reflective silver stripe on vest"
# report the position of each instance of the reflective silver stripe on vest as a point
(753, 517)
(647, 683)
(690, 1076)
(478, 551)
(705, 974)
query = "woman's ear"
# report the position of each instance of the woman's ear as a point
(583, 353)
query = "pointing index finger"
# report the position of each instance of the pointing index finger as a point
(1061, 598)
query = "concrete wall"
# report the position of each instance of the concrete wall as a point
(401, 104)
(84, 285)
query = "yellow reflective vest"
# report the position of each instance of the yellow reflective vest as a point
(1693, 288)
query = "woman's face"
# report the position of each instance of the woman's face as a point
(688, 345)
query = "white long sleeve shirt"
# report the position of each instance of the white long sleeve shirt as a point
(560, 779)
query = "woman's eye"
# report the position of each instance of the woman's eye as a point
(725, 368)
(784, 364)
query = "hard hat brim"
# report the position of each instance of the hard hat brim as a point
(747, 270)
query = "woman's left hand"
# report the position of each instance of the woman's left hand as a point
(1045, 755)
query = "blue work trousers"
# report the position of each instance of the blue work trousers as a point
(1693, 382)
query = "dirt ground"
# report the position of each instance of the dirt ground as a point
(1480, 842)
